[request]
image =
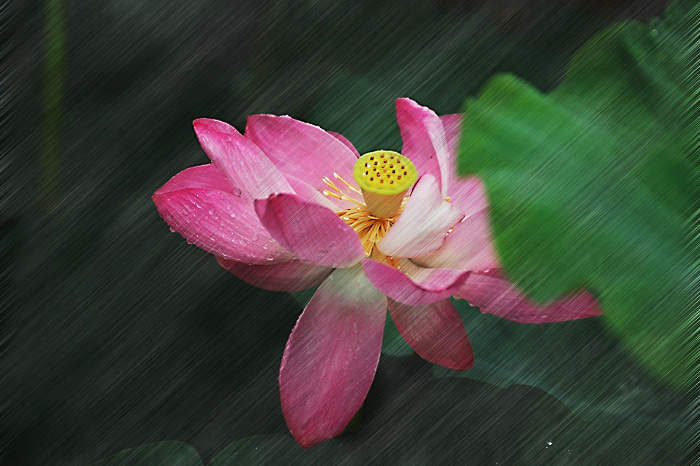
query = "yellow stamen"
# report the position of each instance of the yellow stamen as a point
(370, 228)
(339, 193)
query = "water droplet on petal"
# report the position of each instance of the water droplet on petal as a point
(237, 191)
(269, 257)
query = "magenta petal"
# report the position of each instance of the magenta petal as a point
(414, 285)
(201, 205)
(422, 226)
(436, 332)
(240, 160)
(301, 149)
(493, 294)
(331, 356)
(311, 232)
(424, 140)
(287, 276)
(345, 141)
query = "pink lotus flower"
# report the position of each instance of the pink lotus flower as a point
(288, 206)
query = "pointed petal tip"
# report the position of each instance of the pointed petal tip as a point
(206, 123)
(465, 364)
(308, 440)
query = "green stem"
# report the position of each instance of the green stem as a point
(52, 122)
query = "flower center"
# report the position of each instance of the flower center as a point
(383, 177)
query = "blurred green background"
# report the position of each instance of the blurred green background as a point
(117, 334)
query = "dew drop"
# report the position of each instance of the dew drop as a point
(269, 257)
(237, 191)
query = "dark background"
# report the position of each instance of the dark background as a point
(115, 333)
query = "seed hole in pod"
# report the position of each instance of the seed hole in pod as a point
(381, 181)
(375, 163)
(391, 182)
(366, 173)
(393, 171)
(371, 158)
(399, 176)
(391, 165)
(371, 179)
(367, 165)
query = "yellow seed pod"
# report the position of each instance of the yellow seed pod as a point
(384, 177)
(384, 172)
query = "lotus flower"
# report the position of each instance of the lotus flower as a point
(287, 206)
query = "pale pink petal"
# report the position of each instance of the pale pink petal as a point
(287, 276)
(331, 357)
(301, 149)
(345, 141)
(240, 160)
(424, 140)
(467, 193)
(493, 294)
(436, 332)
(201, 205)
(310, 194)
(469, 246)
(311, 232)
(414, 285)
(422, 226)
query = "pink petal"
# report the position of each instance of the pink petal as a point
(300, 149)
(414, 285)
(345, 141)
(201, 205)
(287, 276)
(452, 124)
(469, 246)
(311, 232)
(493, 294)
(240, 160)
(436, 332)
(424, 140)
(331, 357)
(422, 226)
